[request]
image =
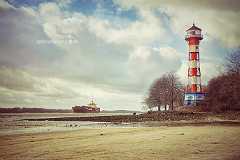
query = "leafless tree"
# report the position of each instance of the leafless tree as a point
(224, 93)
(166, 90)
(176, 90)
(233, 62)
(224, 90)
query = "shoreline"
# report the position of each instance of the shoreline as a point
(171, 117)
(21, 124)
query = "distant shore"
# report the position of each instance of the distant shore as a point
(46, 110)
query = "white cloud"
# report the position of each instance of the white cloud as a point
(219, 19)
(15, 79)
(29, 11)
(232, 5)
(146, 30)
(169, 53)
(140, 54)
(222, 25)
(29, 90)
(49, 9)
(113, 60)
(5, 5)
(146, 64)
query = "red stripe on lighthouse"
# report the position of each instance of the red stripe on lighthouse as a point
(193, 71)
(194, 88)
(193, 56)
(193, 41)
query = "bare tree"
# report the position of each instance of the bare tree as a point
(154, 98)
(165, 91)
(224, 90)
(233, 62)
(224, 93)
(176, 90)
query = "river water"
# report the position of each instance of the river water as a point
(14, 123)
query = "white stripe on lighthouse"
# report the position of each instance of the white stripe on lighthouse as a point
(194, 80)
(193, 64)
(198, 88)
(193, 48)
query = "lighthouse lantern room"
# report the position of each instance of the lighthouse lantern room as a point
(193, 92)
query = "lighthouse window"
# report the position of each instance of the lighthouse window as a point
(197, 47)
(193, 32)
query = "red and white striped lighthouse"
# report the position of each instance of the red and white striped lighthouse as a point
(193, 92)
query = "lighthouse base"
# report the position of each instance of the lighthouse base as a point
(193, 99)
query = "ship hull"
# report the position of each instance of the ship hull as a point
(85, 109)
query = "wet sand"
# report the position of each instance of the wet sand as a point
(146, 143)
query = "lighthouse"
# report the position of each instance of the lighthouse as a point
(193, 91)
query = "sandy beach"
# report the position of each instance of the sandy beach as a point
(147, 143)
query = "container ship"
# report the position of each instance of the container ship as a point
(90, 108)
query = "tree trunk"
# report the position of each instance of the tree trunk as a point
(159, 108)
(172, 94)
(165, 107)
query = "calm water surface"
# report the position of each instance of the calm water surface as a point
(14, 123)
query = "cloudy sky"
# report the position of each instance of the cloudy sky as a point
(60, 53)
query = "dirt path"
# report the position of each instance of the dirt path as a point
(188, 142)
